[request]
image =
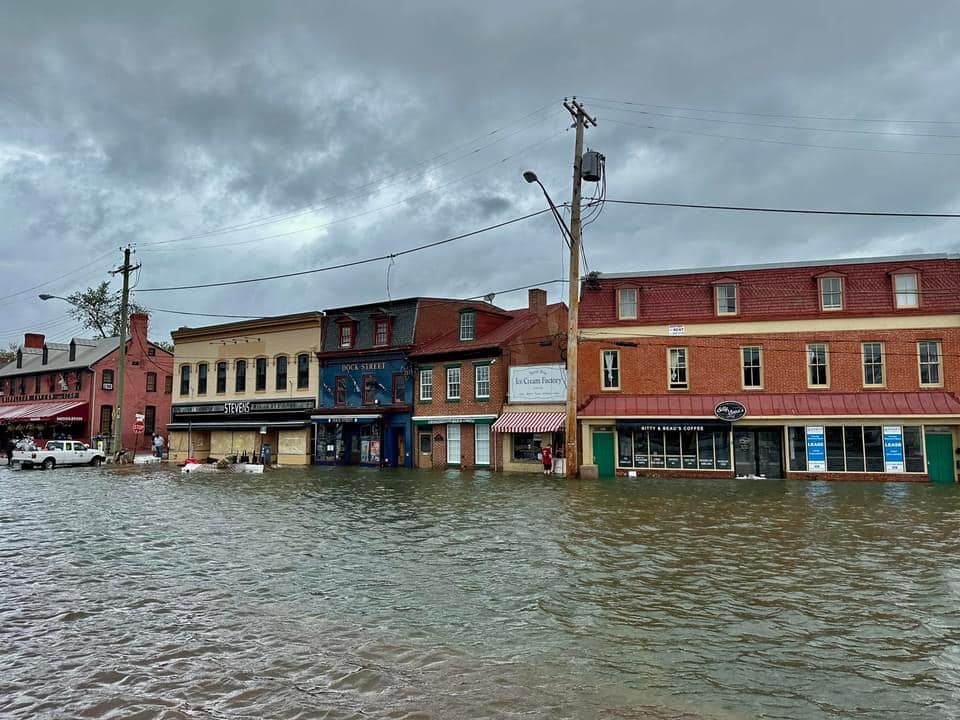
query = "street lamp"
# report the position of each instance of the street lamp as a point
(573, 240)
(44, 296)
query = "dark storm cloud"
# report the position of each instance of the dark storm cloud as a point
(144, 122)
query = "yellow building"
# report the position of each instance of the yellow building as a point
(246, 389)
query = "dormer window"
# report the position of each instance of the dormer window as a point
(346, 335)
(627, 304)
(725, 296)
(73, 351)
(468, 325)
(906, 288)
(381, 332)
(831, 293)
(19, 359)
(46, 355)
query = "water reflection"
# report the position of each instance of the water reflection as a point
(327, 593)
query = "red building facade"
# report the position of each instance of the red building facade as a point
(462, 412)
(70, 389)
(845, 369)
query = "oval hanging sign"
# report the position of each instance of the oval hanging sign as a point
(730, 410)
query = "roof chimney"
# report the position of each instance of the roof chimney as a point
(138, 327)
(537, 300)
(33, 340)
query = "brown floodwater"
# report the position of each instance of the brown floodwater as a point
(345, 593)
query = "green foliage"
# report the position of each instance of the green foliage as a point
(98, 309)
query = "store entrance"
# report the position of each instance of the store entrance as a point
(758, 452)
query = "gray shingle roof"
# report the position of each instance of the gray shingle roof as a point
(58, 356)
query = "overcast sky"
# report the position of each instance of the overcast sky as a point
(283, 136)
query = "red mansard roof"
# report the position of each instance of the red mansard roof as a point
(773, 292)
(813, 404)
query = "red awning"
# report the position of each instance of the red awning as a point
(531, 422)
(812, 404)
(62, 412)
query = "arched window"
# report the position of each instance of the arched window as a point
(202, 379)
(184, 379)
(282, 372)
(303, 371)
(221, 376)
(240, 376)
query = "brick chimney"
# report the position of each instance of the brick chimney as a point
(138, 327)
(537, 300)
(33, 340)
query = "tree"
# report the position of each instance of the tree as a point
(163, 345)
(97, 308)
(9, 355)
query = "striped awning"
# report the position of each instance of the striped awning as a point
(66, 412)
(531, 422)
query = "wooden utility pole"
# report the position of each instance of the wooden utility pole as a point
(580, 121)
(124, 269)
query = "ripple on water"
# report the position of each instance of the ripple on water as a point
(331, 593)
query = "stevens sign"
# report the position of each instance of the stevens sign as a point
(538, 383)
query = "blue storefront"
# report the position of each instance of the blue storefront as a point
(364, 410)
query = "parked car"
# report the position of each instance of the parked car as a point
(58, 452)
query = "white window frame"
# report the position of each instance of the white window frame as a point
(478, 383)
(902, 298)
(717, 296)
(938, 364)
(615, 367)
(743, 366)
(468, 325)
(426, 374)
(826, 364)
(682, 356)
(624, 303)
(451, 383)
(345, 335)
(481, 431)
(883, 363)
(377, 325)
(453, 441)
(824, 292)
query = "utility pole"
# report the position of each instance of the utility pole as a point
(580, 121)
(125, 269)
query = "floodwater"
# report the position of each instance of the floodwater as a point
(329, 593)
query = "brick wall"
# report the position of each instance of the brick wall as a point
(714, 363)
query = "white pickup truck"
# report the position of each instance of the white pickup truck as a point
(58, 452)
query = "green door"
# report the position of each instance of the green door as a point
(940, 458)
(603, 454)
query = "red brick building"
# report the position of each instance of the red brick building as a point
(69, 389)
(845, 369)
(464, 380)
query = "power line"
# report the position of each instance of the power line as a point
(799, 211)
(774, 115)
(353, 263)
(853, 131)
(784, 142)
(56, 279)
(210, 315)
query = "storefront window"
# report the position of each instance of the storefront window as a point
(797, 448)
(834, 442)
(525, 447)
(913, 449)
(691, 449)
(672, 444)
(857, 448)
(853, 445)
(873, 447)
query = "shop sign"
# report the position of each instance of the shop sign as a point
(672, 425)
(244, 408)
(676, 330)
(730, 410)
(892, 448)
(538, 383)
(41, 397)
(363, 366)
(816, 449)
